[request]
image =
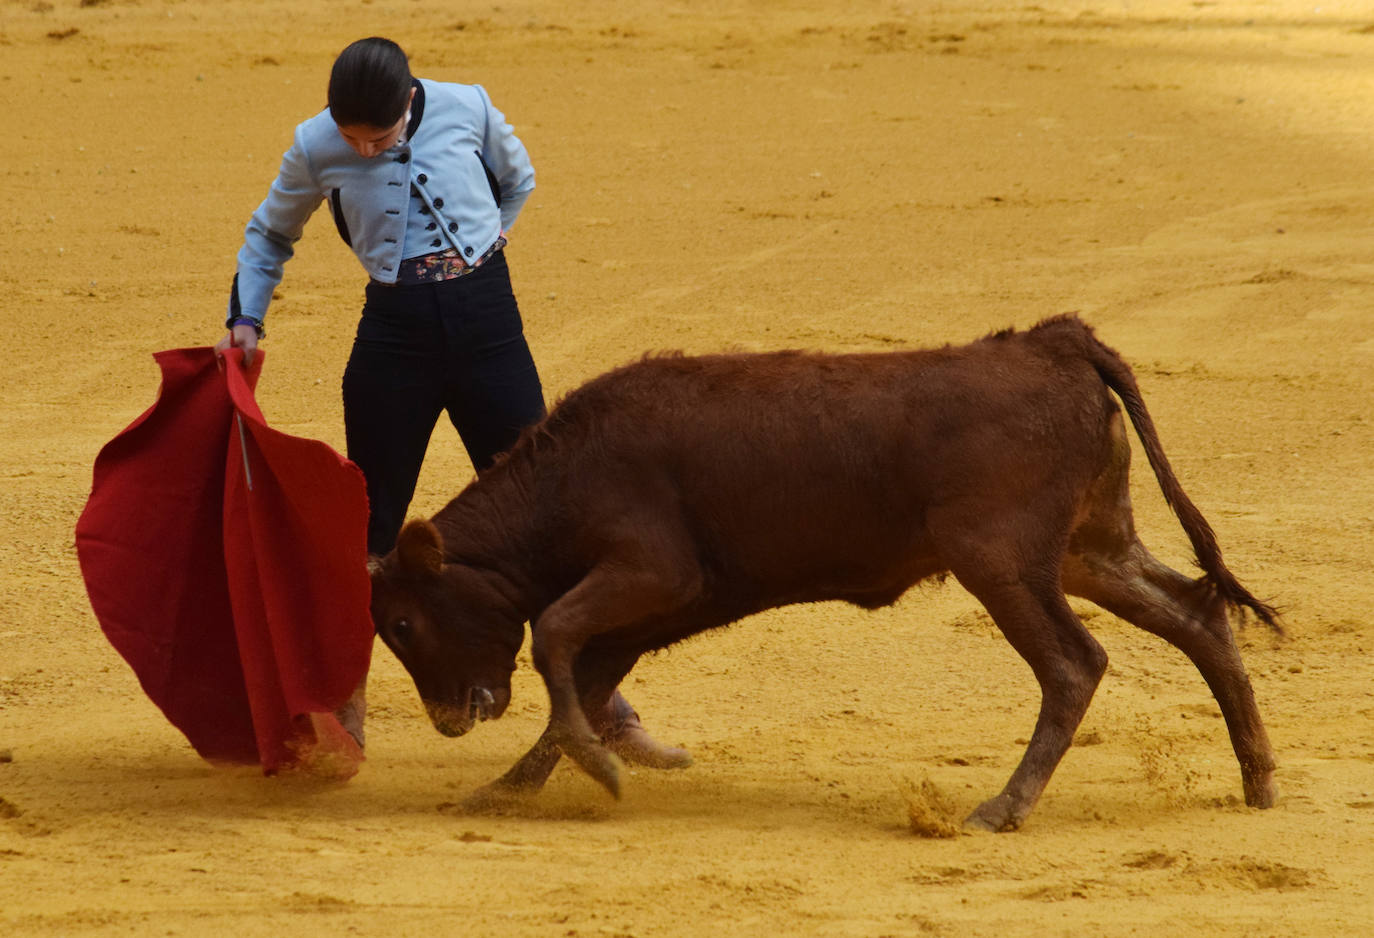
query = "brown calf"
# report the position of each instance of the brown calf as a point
(679, 494)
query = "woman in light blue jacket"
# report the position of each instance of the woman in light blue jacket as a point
(424, 179)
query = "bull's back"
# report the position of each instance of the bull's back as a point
(810, 476)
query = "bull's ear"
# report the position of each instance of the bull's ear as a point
(420, 548)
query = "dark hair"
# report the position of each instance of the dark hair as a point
(369, 84)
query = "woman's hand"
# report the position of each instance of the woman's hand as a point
(242, 336)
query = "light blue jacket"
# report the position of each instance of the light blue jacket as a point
(459, 180)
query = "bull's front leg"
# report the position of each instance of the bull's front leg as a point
(615, 596)
(526, 777)
(569, 729)
(618, 725)
(632, 583)
(1068, 663)
(615, 721)
(558, 636)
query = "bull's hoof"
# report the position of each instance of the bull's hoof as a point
(994, 816)
(494, 797)
(586, 750)
(1260, 791)
(634, 745)
(597, 761)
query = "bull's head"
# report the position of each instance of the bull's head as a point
(452, 629)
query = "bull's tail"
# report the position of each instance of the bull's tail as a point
(1118, 376)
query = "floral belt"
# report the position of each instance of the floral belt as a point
(443, 265)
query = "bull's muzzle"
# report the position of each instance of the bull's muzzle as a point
(454, 720)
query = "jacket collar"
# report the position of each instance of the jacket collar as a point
(417, 109)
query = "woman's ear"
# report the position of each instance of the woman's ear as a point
(419, 548)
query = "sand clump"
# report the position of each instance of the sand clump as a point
(928, 810)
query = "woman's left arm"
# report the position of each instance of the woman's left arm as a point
(508, 161)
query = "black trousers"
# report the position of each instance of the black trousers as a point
(456, 346)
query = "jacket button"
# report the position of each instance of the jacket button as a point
(453, 226)
(422, 179)
(424, 209)
(438, 203)
(403, 158)
(431, 226)
(467, 251)
(435, 243)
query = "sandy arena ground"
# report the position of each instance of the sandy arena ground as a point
(1193, 177)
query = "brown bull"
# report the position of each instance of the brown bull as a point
(679, 494)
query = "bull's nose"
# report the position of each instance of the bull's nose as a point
(448, 719)
(482, 704)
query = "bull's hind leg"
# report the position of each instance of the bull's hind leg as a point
(1107, 565)
(1032, 612)
(1128, 582)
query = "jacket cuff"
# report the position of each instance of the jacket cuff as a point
(236, 313)
(233, 321)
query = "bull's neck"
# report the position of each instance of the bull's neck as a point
(490, 526)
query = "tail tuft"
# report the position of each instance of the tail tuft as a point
(1243, 602)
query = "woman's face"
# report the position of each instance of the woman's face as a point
(368, 141)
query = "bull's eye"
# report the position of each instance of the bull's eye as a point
(400, 630)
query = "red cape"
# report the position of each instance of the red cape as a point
(227, 563)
